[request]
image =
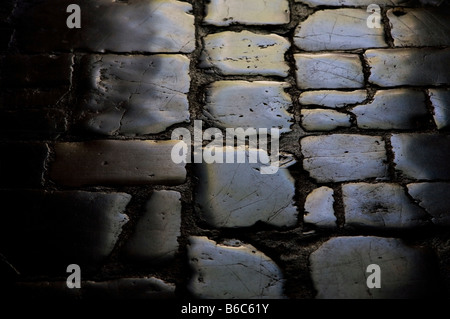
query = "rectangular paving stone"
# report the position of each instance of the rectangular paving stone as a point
(328, 71)
(245, 53)
(340, 29)
(344, 157)
(440, 99)
(135, 95)
(422, 156)
(323, 119)
(249, 12)
(412, 66)
(110, 162)
(117, 26)
(332, 98)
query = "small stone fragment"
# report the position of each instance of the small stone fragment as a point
(435, 199)
(333, 99)
(440, 98)
(319, 208)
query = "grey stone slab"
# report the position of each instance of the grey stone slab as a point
(332, 98)
(319, 208)
(344, 157)
(422, 156)
(323, 119)
(339, 269)
(435, 199)
(135, 95)
(114, 162)
(232, 270)
(259, 104)
(440, 99)
(380, 206)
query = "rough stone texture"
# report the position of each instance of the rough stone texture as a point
(259, 104)
(43, 231)
(344, 157)
(393, 109)
(420, 27)
(422, 156)
(245, 52)
(353, 3)
(395, 67)
(435, 199)
(155, 237)
(319, 208)
(249, 12)
(333, 99)
(135, 94)
(324, 120)
(440, 99)
(232, 270)
(238, 195)
(108, 162)
(340, 29)
(328, 70)
(106, 25)
(338, 269)
(380, 206)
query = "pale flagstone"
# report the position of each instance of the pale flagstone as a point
(340, 29)
(328, 70)
(435, 199)
(332, 98)
(339, 269)
(248, 12)
(382, 205)
(440, 99)
(232, 270)
(344, 157)
(420, 27)
(259, 104)
(319, 208)
(246, 53)
(324, 120)
(354, 3)
(392, 109)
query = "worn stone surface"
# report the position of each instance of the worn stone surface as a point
(155, 237)
(117, 26)
(353, 3)
(422, 156)
(435, 199)
(109, 162)
(250, 12)
(379, 206)
(135, 95)
(319, 208)
(440, 99)
(324, 120)
(344, 157)
(246, 53)
(393, 109)
(419, 67)
(328, 70)
(259, 104)
(331, 98)
(338, 269)
(238, 195)
(232, 270)
(340, 29)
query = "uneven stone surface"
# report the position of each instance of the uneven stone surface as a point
(245, 52)
(338, 269)
(319, 208)
(324, 120)
(238, 195)
(435, 199)
(249, 12)
(156, 233)
(340, 29)
(259, 104)
(108, 162)
(380, 206)
(333, 99)
(344, 157)
(422, 156)
(232, 270)
(440, 99)
(135, 95)
(328, 70)
(395, 67)
(393, 109)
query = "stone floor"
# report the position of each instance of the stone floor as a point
(88, 177)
